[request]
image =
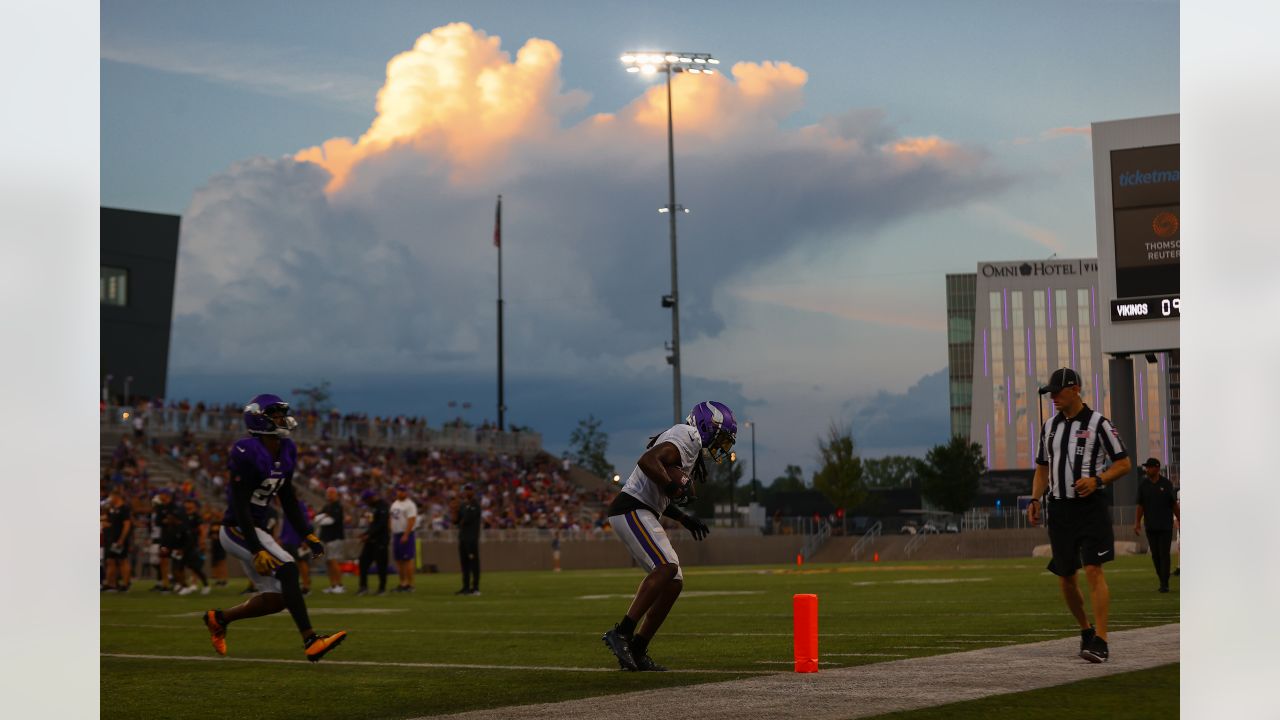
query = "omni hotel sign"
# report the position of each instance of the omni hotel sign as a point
(1044, 268)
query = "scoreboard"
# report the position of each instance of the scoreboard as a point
(1148, 244)
(1137, 201)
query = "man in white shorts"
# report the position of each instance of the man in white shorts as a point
(664, 473)
(330, 522)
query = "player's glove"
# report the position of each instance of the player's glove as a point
(265, 563)
(313, 542)
(116, 547)
(695, 526)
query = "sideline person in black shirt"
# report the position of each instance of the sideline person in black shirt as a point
(468, 522)
(377, 540)
(189, 555)
(1158, 503)
(118, 541)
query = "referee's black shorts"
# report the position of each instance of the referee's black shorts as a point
(1080, 533)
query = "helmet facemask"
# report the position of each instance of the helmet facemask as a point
(721, 445)
(269, 415)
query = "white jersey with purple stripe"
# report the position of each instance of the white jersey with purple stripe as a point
(638, 485)
(250, 462)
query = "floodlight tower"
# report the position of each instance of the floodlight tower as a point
(649, 62)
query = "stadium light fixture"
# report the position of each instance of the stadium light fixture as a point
(649, 62)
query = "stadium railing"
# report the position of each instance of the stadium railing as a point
(1002, 518)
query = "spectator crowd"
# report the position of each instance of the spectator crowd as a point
(532, 491)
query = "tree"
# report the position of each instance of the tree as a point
(792, 480)
(951, 472)
(892, 471)
(317, 396)
(840, 475)
(588, 447)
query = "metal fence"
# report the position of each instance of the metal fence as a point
(1002, 518)
(388, 433)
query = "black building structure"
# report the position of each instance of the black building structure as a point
(139, 257)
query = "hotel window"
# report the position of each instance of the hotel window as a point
(1017, 333)
(1085, 336)
(960, 330)
(1063, 358)
(999, 386)
(1042, 352)
(114, 286)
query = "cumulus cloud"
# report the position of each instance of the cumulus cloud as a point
(373, 254)
(903, 423)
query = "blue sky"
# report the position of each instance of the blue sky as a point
(920, 138)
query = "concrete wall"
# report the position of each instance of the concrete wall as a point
(499, 556)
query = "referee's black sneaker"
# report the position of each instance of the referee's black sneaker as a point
(1086, 635)
(1096, 652)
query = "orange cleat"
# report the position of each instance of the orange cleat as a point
(319, 645)
(217, 631)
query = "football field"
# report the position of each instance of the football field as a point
(534, 637)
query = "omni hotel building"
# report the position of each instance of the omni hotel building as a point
(1010, 325)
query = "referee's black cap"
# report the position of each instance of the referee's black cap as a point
(1061, 378)
(1151, 462)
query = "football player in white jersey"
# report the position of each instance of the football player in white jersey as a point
(663, 477)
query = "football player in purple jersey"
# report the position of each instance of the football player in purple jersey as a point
(261, 467)
(663, 477)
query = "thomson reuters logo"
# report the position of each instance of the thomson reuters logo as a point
(1165, 224)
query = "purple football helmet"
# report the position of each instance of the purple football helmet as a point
(268, 415)
(716, 426)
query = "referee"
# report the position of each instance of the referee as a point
(1074, 445)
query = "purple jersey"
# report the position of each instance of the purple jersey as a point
(250, 462)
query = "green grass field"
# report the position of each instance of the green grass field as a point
(538, 636)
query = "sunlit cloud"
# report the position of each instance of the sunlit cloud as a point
(458, 95)
(1039, 235)
(1057, 134)
(383, 242)
(842, 304)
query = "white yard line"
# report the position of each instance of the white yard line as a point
(869, 690)
(428, 666)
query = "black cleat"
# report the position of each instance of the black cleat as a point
(1086, 636)
(646, 663)
(1097, 651)
(617, 644)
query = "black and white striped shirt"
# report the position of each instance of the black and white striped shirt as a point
(1073, 449)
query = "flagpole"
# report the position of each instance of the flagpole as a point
(497, 240)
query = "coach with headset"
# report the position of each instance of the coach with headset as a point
(1071, 478)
